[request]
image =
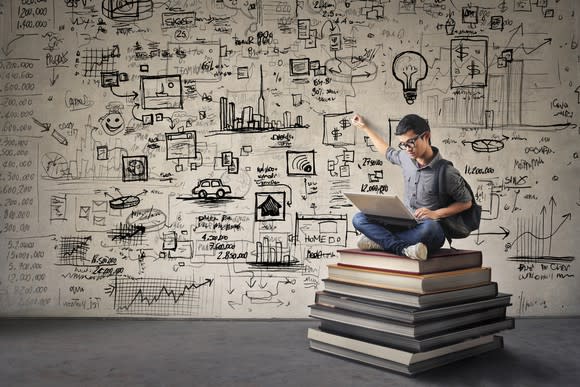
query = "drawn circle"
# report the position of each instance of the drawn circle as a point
(113, 124)
(152, 219)
(55, 165)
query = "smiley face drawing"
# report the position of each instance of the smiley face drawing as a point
(113, 122)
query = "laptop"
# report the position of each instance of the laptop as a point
(387, 206)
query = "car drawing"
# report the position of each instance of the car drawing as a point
(213, 187)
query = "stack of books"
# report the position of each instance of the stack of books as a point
(406, 315)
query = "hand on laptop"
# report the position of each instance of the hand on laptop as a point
(424, 213)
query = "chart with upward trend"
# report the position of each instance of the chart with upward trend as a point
(96, 61)
(160, 296)
(535, 234)
(73, 250)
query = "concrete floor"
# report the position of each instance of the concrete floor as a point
(79, 352)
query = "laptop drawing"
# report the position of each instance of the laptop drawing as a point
(387, 206)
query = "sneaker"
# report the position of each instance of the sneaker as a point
(364, 243)
(418, 251)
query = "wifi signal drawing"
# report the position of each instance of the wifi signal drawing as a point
(300, 163)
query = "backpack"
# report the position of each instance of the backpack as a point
(462, 224)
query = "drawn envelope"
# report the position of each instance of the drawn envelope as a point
(99, 206)
(84, 212)
(98, 220)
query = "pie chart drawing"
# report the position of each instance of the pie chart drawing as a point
(55, 165)
(124, 202)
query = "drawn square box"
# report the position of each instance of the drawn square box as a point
(181, 145)
(303, 29)
(296, 100)
(179, 168)
(299, 67)
(300, 163)
(227, 158)
(313, 65)
(223, 51)
(501, 62)
(123, 77)
(311, 41)
(234, 168)
(335, 42)
(161, 92)
(496, 23)
(158, 117)
(147, 119)
(102, 152)
(144, 68)
(243, 72)
(84, 212)
(135, 168)
(549, 13)
(523, 6)
(320, 71)
(508, 55)
(337, 129)
(344, 171)
(109, 78)
(270, 206)
(348, 156)
(470, 15)
(331, 165)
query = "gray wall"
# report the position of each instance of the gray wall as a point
(112, 113)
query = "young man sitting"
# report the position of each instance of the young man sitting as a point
(417, 158)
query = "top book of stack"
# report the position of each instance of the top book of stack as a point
(440, 261)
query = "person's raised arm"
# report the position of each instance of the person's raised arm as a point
(377, 140)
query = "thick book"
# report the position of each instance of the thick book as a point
(414, 283)
(404, 313)
(411, 299)
(397, 360)
(442, 260)
(417, 344)
(416, 330)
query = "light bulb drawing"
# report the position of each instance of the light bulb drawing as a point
(409, 67)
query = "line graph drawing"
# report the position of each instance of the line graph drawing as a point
(95, 61)
(128, 234)
(534, 237)
(72, 250)
(160, 296)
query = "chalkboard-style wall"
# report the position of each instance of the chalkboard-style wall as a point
(187, 158)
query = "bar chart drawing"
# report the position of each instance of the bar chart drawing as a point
(272, 253)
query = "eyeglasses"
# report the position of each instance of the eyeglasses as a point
(410, 143)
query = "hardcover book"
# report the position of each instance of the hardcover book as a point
(422, 329)
(417, 344)
(376, 293)
(415, 283)
(442, 260)
(404, 313)
(399, 360)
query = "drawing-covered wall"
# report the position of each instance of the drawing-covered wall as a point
(187, 158)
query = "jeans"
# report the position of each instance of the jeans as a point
(394, 239)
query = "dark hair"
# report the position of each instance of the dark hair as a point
(412, 122)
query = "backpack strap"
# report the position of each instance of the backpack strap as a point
(440, 187)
